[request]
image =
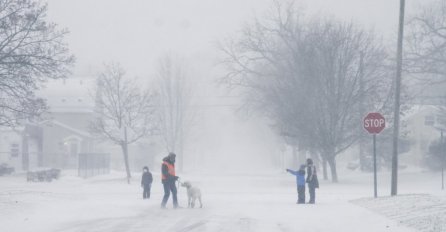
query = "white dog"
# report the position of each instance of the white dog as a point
(193, 193)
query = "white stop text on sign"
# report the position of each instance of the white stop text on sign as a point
(374, 123)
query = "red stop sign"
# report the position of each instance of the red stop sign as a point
(374, 123)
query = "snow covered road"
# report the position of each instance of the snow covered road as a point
(231, 203)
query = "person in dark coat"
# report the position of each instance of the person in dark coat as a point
(169, 178)
(300, 181)
(146, 182)
(312, 180)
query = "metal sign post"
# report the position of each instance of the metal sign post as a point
(442, 155)
(375, 179)
(374, 123)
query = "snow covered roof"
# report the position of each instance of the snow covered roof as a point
(65, 126)
(69, 95)
(417, 109)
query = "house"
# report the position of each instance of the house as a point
(65, 127)
(422, 121)
(21, 147)
(63, 133)
(423, 127)
(57, 140)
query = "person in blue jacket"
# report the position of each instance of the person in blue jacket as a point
(300, 181)
(146, 182)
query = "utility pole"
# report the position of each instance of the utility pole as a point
(442, 155)
(396, 118)
(362, 158)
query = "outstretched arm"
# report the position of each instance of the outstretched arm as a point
(292, 172)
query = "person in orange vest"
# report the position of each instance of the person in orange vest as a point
(169, 177)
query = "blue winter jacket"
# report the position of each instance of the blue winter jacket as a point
(300, 176)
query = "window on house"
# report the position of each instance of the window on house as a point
(441, 119)
(429, 120)
(14, 150)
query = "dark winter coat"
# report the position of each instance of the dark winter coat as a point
(146, 179)
(165, 171)
(312, 180)
(300, 176)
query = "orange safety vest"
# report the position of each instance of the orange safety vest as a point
(170, 169)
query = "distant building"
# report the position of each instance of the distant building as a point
(65, 130)
(63, 133)
(21, 147)
(423, 119)
(422, 125)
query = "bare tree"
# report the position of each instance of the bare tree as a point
(174, 99)
(305, 76)
(32, 50)
(126, 113)
(425, 50)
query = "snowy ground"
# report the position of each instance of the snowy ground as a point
(424, 212)
(260, 202)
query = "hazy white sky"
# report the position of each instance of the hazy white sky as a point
(136, 32)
